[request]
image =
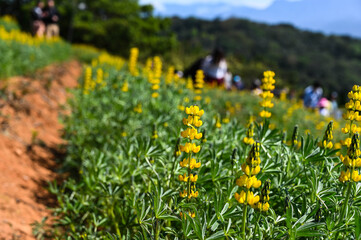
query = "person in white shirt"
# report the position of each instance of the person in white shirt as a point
(215, 67)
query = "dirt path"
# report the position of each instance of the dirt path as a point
(30, 139)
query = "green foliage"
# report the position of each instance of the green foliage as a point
(25, 54)
(124, 182)
(114, 25)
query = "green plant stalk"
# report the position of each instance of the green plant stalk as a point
(256, 228)
(289, 160)
(157, 229)
(115, 222)
(171, 177)
(189, 173)
(288, 165)
(343, 210)
(243, 233)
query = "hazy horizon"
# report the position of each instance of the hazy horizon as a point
(325, 16)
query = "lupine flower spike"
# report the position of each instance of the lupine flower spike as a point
(351, 161)
(198, 86)
(263, 204)
(267, 95)
(352, 115)
(248, 139)
(190, 163)
(134, 52)
(326, 142)
(249, 180)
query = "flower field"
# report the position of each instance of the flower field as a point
(153, 156)
(22, 53)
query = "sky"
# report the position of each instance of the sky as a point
(341, 17)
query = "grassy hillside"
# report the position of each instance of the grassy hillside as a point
(299, 57)
(22, 53)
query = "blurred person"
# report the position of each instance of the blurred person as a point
(238, 82)
(334, 110)
(312, 95)
(228, 80)
(215, 67)
(256, 87)
(192, 69)
(51, 19)
(37, 17)
(324, 106)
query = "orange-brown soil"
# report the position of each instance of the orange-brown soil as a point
(30, 144)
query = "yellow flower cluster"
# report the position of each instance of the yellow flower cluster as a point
(267, 95)
(138, 108)
(23, 38)
(133, 58)
(170, 75)
(8, 19)
(218, 123)
(189, 84)
(110, 60)
(100, 76)
(125, 87)
(263, 204)
(155, 134)
(327, 138)
(191, 133)
(199, 84)
(352, 161)
(353, 114)
(154, 75)
(249, 180)
(89, 84)
(248, 139)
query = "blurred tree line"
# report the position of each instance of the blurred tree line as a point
(115, 25)
(298, 57)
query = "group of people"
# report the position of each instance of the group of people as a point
(313, 98)
(45, 19)
(216, 72)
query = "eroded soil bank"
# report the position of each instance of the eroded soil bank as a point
(30, 143)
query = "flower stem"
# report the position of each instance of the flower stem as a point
(243, 233)
(344, 206)
(346, 200)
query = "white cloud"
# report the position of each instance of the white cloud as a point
(258, 4)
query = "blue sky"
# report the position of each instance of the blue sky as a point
(342, 17)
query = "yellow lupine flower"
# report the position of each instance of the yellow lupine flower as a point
(125, 87)
(345, 176)
(190, 147)
(194, 110)
(240, 197)
(251, 199)
(248, 182)
(265, 114)
(248, 141)
(191, 134)
(263, 206)
(155, 95)
(183, 194)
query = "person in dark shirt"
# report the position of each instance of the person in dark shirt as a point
(37, 16)
(51, 19)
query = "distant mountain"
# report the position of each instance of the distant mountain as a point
(327, 16)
